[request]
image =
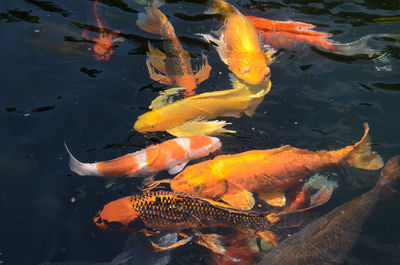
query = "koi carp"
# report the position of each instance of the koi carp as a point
(173, 67)
(104, 42)
(281, 34)
(189, 116)
(171, 155)
(233, 178)
(168, 211)
(288, 34)
(328, 239)
(238, 45)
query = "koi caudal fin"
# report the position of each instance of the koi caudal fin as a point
(362, 156)
(389, 174)
(153, 21)
(82, 169)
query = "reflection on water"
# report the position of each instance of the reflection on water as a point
(54, 91)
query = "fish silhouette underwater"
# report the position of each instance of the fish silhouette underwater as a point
(234, 178)
(137, 251)
(172, 67)
(328, 239)
(171, 155)
(104, 41)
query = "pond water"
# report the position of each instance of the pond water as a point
(54, 91)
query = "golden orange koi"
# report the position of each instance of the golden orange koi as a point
(281, 34)
(173, 67)
(232, 178)
(188, 116)
(239, 46)
(171, 155)
(103, 46)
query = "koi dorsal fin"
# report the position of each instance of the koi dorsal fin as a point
(165, 97)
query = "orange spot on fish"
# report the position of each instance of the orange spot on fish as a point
(121, 166)
(199, 141)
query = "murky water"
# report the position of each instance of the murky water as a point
(52, 90)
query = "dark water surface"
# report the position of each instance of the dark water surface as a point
(52, 90)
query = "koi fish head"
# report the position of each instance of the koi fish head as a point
(118, 215)
(201, 145)
(197, 180)
(150, 122)
(251, 67)
(103, 48)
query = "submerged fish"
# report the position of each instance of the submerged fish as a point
(328, 239)
(233, 178)
(168, 211)
(173, 67)
(171, 155)
(188, 116)
(104, 42)
(287, 34)
(239, 46)
(53, 38)
(135, 252)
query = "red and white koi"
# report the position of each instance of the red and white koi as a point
(171, 155)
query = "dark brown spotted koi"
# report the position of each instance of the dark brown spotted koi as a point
(162, 210)
(173, 65)
(328, 239)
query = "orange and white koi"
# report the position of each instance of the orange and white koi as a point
(171, 155)
(286, 34)
(233, 178)
(103, 46)
(239, 46)
(173, 67)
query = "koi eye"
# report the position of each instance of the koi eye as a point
(199, 188)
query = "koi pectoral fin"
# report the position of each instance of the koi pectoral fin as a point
(204, 71)
(157, 59)
(196, 127)
(269, 237)
(210, 241)
(177, 168)
(181, 242)
(156, 76)
(243, 199)
(277, 198)
(165, 97)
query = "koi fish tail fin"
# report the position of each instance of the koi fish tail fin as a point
(360, 46)
(152, 22)
(220, 7)
(158, 3)
(361, 156)
(198, 126)
(82, 169)
(389, 174)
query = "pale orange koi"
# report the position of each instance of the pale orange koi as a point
(103, 46)
(173, 67)
(233, 178)
(171, 155)
(286, 34)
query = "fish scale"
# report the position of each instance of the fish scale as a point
(175, 211)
